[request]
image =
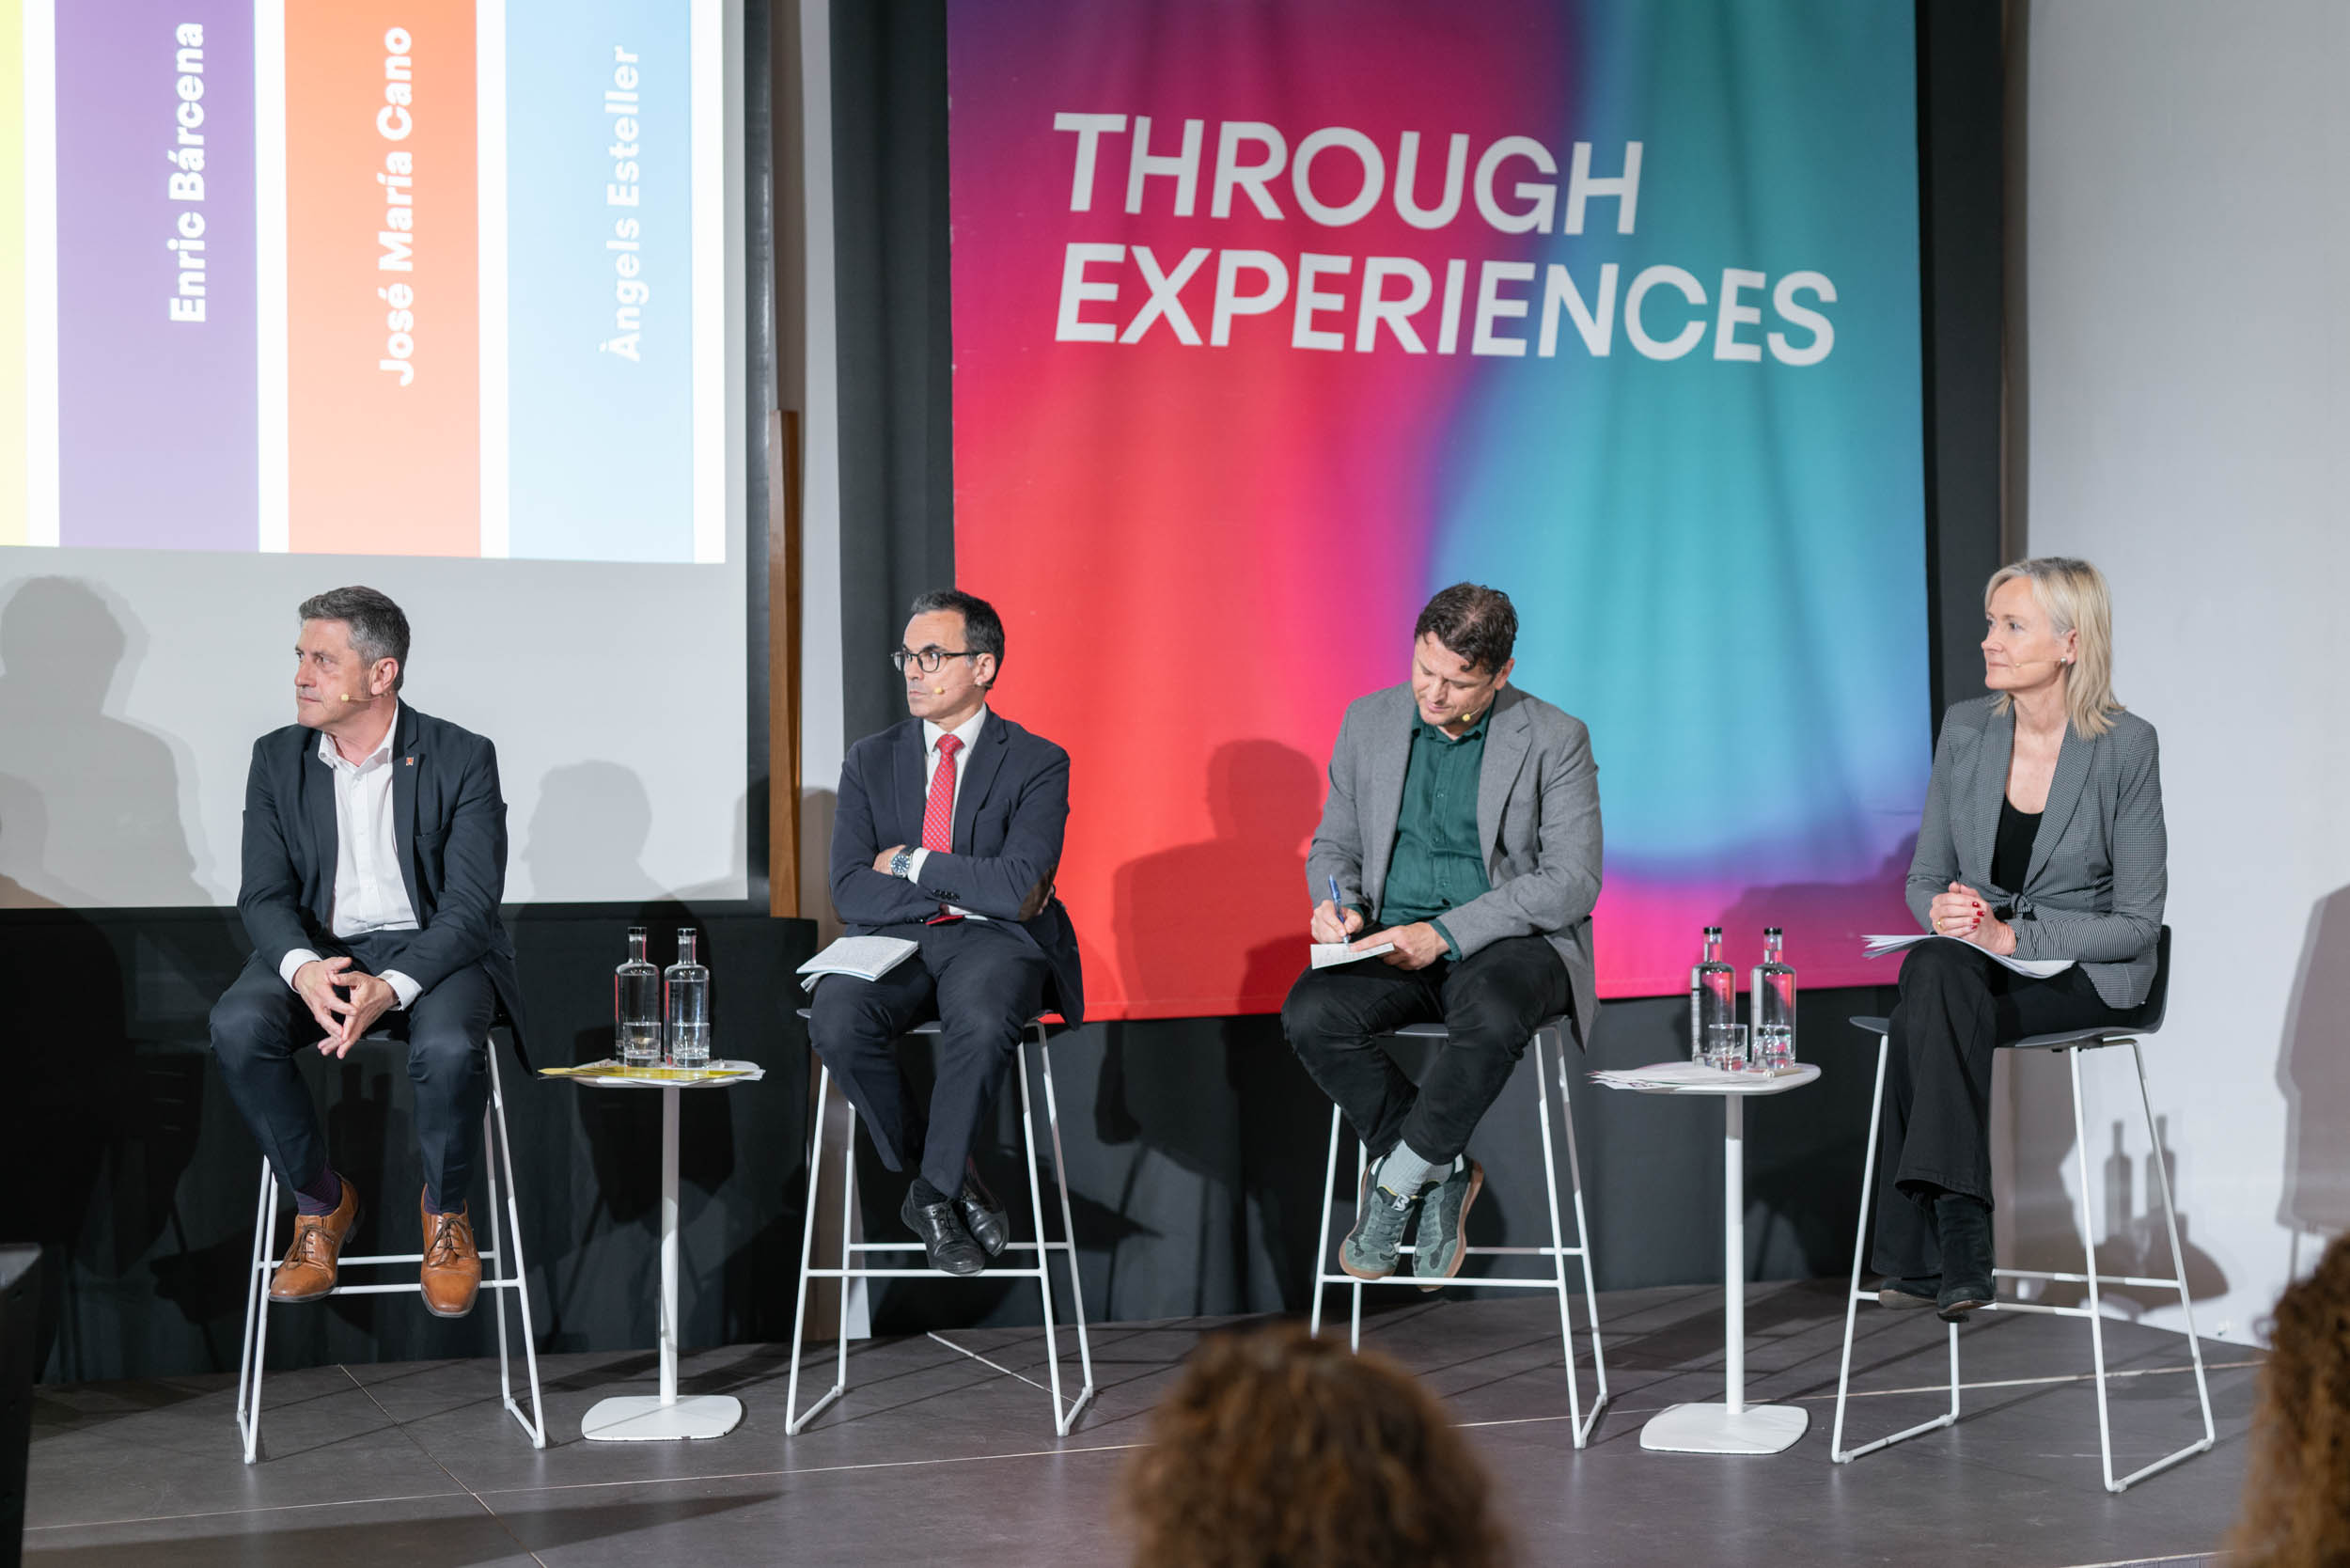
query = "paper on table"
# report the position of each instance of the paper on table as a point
(2038, 968)
(1326, 954)
(865, 957)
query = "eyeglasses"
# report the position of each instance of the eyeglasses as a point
(930, 658)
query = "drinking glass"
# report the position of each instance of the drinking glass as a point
(1726, 1047)
(1774, 1047)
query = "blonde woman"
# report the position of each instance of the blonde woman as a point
(2043, 839)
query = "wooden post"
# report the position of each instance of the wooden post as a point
(783, 663)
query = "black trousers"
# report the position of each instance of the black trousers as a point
(1956, 1007)
(260, 1024)
(983, 982)
(1490, 1002)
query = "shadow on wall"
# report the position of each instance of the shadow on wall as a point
(2313, 1069)
(107, 830)
(587, 836)
(1197, 927)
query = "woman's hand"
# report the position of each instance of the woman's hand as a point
(1958, 912)
(1962, 913)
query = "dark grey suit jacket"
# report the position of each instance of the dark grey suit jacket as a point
(449, 824)
(1010, 810)
(2099, 863)
(1537, 817)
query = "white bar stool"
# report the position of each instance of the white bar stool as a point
(1558, 1251)
(2070, 1043)
(1063, 1420)
(509, 1276)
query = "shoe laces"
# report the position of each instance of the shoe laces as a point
(309, 1239)
(451, 1234)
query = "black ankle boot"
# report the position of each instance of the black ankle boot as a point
(1964, 1224)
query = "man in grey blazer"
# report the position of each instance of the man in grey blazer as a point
(1462, 828)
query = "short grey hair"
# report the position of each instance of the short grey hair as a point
(378, 628)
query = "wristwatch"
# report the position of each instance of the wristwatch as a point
(902, 864)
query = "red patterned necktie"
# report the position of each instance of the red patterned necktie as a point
(938, 817)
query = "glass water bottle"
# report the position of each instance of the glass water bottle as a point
(637, 1006)
(686, 1003)
(1713, 999)
(1774, 1004)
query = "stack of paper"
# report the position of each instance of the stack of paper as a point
(1682, 1074)
(2038, 968)
(1324, 954)
(866, 958)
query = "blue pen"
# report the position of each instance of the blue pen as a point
(1338, 908)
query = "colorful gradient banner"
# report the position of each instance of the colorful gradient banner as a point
(1265, 330)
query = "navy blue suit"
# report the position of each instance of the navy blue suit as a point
(983, 979)
(448, 827)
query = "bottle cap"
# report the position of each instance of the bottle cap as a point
(1772, 931)
(1712, 931)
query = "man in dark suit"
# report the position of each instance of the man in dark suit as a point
(947, 834)
(374, 861)
(1462, 824)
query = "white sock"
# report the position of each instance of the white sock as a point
(1406, 1173)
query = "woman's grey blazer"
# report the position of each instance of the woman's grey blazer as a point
(2098, 874)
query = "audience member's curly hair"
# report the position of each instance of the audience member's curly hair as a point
(2296, 1495)
(1280, 1450)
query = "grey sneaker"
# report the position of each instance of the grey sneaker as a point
(1371, 1249)
(1438, 1250)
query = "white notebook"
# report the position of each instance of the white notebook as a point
(1326, 954)
(2038, 968)
(865, 957)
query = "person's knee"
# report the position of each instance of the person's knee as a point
(444, 1054)
(1937, 966)
(1307, 1016)
(1005, 1001)
(241, 1025)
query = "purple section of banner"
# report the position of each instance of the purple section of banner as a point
(156, 360)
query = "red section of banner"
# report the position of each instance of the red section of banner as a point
(383, 270)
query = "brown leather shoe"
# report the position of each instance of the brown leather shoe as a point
(452, 1267)
(308, 1271)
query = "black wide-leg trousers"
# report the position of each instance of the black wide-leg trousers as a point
(1957, 1006)
(983, 982)
(1490, 1004)
(261, 1023)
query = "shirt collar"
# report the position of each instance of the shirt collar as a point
(1474, 732)
(332, 758)
(968, 731)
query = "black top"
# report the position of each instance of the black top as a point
(2010, 851)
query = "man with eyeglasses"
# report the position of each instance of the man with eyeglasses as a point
(1463, 827)
(948, 835)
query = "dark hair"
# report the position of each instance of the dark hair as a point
(1477, 622)
(1277, 1450)
(378, 630)
(982, 628)
(2295, 1511)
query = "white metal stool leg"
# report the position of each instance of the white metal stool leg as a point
(510, 1275)
(1067, 1246)
(1556, 1253)
(1580, 1425)
(1064, 1419)
(2178, 1262)
(793, 1417)
(513, 1273)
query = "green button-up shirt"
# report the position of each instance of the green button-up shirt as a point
(1437, 865)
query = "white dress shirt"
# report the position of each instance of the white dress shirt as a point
(968, 734)
(370, 895)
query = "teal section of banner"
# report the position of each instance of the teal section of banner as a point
(600, 307)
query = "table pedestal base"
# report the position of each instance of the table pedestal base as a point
(1713, 1429)
(643, 1419)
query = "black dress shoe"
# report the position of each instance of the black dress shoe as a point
(1964, 1225)
(981, 1215)
(1914, 1290)
(945, 1242)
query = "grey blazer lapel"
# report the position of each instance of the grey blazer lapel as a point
(1382, 801)
(1508, 735)
(2064, 794)
(1992, 761)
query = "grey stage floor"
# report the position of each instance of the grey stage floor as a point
(935, 1458)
